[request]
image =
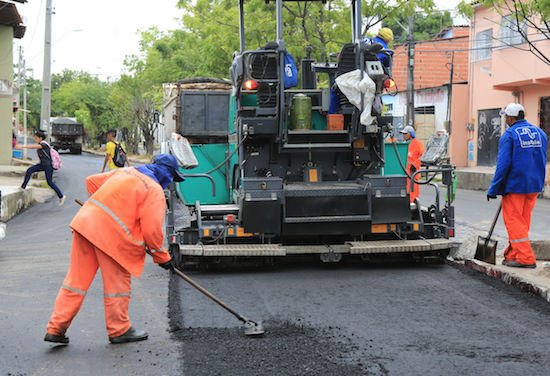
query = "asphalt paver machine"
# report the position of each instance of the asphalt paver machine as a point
(282, 180)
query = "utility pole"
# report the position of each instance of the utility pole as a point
(410, 73)
(47, 73)
(18, 101)
(25, 109)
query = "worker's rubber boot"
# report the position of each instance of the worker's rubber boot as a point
(57, 339)
(131, 335)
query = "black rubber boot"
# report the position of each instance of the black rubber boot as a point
(131, 335)
(57, 339)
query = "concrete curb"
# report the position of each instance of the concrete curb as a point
(509, 278)
(15, 201)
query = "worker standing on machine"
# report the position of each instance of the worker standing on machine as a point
(384, 37)
(121, 220)
(519, 178)
(416, 149)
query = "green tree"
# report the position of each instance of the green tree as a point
(34, 103)
(86, 93)
(425, 26)
(213, 27)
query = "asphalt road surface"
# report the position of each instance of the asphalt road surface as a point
(340, 320)
(34, 258)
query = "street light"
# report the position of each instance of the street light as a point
(106, 70)
(47, 72)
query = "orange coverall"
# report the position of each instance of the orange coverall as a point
(120, 221)
(416, 149)
(516, 212)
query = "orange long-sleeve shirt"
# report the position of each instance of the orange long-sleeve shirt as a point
(416, 149)
(123, 217)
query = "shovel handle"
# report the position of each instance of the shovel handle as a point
(494, 222)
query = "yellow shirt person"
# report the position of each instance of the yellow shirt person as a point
(110, 151)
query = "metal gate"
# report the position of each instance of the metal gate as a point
(545, 116)
(488, 136)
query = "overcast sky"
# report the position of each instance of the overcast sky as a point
(108, 32)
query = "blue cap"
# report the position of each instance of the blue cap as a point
(171, 162)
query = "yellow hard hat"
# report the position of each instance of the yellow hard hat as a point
(386, 34)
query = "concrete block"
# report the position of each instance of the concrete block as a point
(541, 248)
(479, 181)
(14, 202)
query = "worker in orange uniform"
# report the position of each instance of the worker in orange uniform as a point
(519, 178)
(120, 222)
(416, 149)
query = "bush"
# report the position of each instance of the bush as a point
(94, 144)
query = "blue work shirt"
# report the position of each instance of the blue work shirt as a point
(382, 57)
(521, 163)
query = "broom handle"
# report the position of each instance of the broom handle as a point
(201, 289)
(207, 293)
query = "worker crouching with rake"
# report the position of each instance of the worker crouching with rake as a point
(120, 222)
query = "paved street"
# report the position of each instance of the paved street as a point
(34, 258)
(341, 320)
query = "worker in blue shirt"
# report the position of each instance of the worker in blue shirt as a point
(519, 178)
(384, 37)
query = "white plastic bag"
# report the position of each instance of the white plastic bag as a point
(352, 87)
(181, 149)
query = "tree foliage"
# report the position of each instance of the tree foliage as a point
(83, 94)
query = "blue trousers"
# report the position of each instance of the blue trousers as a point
(48, 170)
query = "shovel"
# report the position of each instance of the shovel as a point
(486, 248)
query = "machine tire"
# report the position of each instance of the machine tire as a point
(174, 251)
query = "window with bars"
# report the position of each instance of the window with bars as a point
(484, 42)
(508, 34)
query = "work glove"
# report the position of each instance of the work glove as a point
(413, 169)
(167, 265)
(489, 197)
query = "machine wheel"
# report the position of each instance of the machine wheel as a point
(174, 250)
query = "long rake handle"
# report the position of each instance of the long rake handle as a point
(201, 289)
(207, 293)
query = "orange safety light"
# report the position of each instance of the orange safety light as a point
(388, 82)
(250, 85)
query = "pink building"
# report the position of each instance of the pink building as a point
(503, 70)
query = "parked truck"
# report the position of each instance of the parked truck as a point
(278, 181)
(67, 134)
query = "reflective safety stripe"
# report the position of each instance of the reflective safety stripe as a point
(116, 219)
(73, 289)
(519, 240)
(154, 250)
(117, 295)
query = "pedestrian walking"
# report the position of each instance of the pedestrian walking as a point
(519, 178)
(45, 157)
(110, 151)
(416, 149)
(120, 222)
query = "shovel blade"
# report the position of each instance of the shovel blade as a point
(486, 250)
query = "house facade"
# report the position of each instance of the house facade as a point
(503, 69)
(11, 26)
